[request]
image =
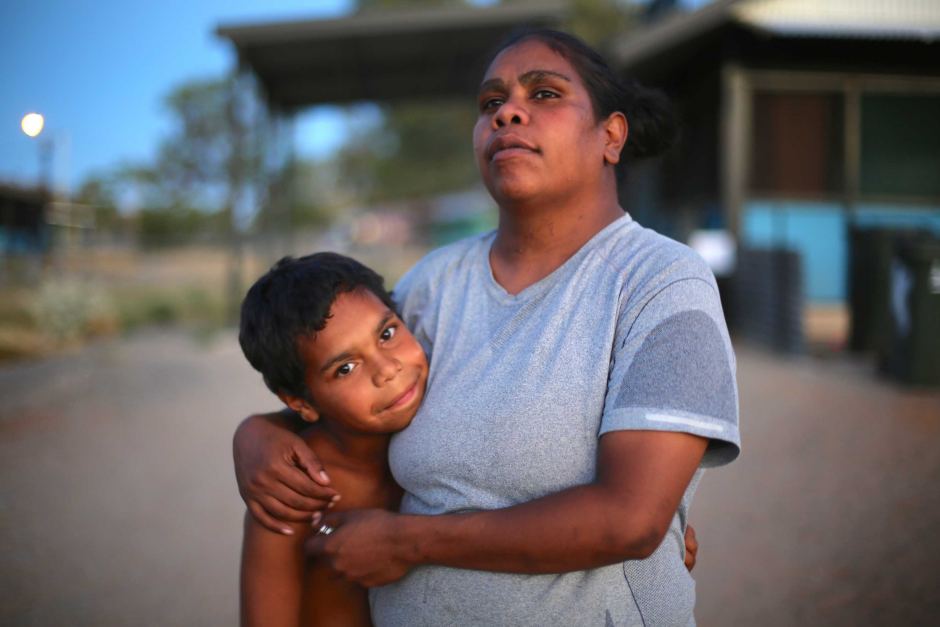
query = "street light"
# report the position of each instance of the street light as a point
(32, 124)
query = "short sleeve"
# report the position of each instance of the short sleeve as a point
(673, 370)
(413, 299)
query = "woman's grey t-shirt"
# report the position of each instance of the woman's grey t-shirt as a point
(627, 334)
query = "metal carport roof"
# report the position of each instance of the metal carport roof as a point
(379, 55)
(905, 20)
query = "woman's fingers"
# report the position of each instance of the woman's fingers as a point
(357, 545)
(282, 512)
(267, 521)
(303, 488)
(294, 500)
(305, 460)
(279, 477)
(316, 543)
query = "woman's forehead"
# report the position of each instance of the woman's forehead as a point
(527, 56)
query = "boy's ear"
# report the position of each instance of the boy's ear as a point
(303, 407)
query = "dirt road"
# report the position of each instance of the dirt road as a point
(118, 500)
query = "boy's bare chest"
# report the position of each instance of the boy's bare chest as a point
(361, 491)
(359, 487)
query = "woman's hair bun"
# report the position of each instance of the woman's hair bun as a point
(652, 120)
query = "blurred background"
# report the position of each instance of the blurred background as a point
(155, 159)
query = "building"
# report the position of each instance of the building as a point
(801, 118)
(23, 225)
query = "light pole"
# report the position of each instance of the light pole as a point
(33, 125)
(57, 208)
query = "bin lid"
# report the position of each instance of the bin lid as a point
(921, 250)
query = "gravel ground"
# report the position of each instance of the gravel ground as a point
(831, 515)
(118, 504)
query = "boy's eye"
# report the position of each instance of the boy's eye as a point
(389, 333)
(345, 369)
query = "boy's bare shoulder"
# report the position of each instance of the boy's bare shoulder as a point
(358, 489)
(319, 442)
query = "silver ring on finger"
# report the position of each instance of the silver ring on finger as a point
(325, 529)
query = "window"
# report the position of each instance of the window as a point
(796, 147)
(900, 145)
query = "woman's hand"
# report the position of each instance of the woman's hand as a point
(279, 477)
(363, 547)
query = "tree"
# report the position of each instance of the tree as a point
(212, 150)
(419, 149)
(598, 21)
(202, 167)
(97, 194)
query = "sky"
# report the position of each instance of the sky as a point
(98, 71)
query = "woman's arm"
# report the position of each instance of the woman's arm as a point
(279, 477)
(624, 514)
(272, 576)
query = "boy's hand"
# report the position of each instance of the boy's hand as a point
(279, 477)
(691, 547)
(362, 547)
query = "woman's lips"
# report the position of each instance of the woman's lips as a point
(509, 153)
(509, 146)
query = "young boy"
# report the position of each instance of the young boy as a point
(323, 332)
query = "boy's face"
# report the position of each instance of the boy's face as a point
(364, 369)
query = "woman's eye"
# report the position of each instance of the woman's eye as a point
(489, 104)
(389, 333)
(345, 369)
(544, 94)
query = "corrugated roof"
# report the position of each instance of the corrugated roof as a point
(897, 19)
(380, 55)
(836, 19)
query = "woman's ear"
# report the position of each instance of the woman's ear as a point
(303, 407)
(616, 131)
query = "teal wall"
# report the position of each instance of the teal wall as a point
(818, 231)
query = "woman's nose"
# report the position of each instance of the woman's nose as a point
(510, 112)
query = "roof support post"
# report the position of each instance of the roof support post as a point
(286, 176)
(852, 137)
(735, 142)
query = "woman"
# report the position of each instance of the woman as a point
(581, 375)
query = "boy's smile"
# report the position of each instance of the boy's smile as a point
(365, 372)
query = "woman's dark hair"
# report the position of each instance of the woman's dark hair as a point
(292, 301)
(653, 127)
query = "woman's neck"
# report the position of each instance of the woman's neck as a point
(532, 243)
